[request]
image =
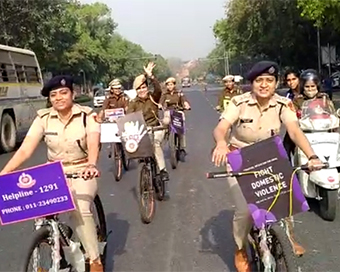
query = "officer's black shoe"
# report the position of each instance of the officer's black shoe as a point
(182, 155)
(164, 175)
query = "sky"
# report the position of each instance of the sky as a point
(172, 28)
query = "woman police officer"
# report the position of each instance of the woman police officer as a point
(76, 144)
(172, 98)
(255, 116)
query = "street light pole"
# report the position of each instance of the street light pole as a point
(319, 49)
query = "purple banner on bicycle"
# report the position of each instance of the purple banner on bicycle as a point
(33, 193)
(269, 188)
(177, 122)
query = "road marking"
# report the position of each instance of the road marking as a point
(206, 98)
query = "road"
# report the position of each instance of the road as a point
(190, 232)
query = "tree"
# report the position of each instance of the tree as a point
(73, 38)
(321, 12)
(267, 29)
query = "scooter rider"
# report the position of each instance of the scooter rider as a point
(148, 103)
(310, 88)
(170, 99)
(253, 116)
(228, 93)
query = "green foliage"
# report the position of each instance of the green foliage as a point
(74, 38)
(280, 30)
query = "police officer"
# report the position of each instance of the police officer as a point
(72, 137)
(228, 93)
(254, 116)
(116, 99)
(172, 98)
(148, 103)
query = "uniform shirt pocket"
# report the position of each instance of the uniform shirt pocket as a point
(246, 129)
(52, 141)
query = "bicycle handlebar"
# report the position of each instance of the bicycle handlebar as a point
(225, 174)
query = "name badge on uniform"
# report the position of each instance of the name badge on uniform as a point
(243, 121)
(51, 133)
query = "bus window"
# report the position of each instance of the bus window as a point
(3, 73)
(32, 75)
(23, 59)
(11, 74)
(20, 73)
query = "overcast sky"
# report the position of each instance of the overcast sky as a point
(172, 28)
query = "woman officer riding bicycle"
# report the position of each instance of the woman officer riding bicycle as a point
(253, 117)
(76, 145)
(173, 98)
(148, 104)
(116, 99)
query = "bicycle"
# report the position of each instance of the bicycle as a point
(116, 151)
(65, 253)
(269, 244)
(174, 137)
(149, 185)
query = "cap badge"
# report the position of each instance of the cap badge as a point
(271, 70)
(63, 82)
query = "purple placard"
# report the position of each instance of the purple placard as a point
(177, 122)
(260, 190)
(34, 192)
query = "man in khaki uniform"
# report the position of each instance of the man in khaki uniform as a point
(72, 137)
(253, 117)
(228, 93)
(148, 104)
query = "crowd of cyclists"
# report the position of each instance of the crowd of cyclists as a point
(71, 133)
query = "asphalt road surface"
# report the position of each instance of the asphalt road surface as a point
(191, 231)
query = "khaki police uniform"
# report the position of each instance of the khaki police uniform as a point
(61, 140)
(250, 125)
(170, 100)
(115, 101)
(226, 95)
(149, 107)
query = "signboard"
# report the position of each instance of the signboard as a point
(34, 192)
(114, 113)
(261, 189)
(109, 133)
(328, 54)
(133, 132)
(177, 122)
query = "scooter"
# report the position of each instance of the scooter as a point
(320, 123)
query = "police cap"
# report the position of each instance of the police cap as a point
(263, 67)
(61, 81)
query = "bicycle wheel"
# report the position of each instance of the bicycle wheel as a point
(118, 161)
(147, 202)
(100, 220)
(99, 214)
(173, 139)
(282, 250)
(33, 260)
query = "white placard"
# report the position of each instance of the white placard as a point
(108, 133)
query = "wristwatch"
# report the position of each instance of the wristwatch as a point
(313, 157)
